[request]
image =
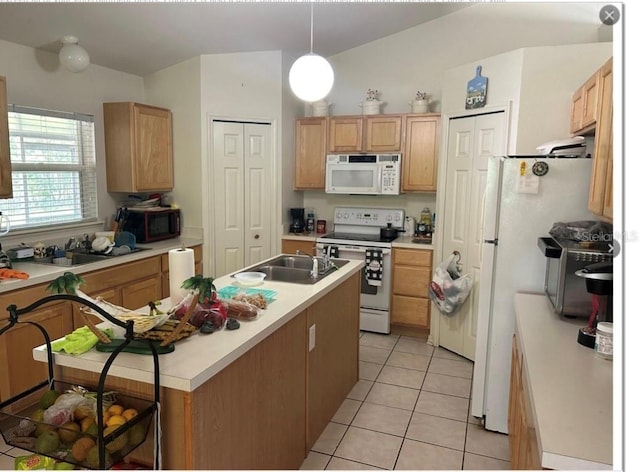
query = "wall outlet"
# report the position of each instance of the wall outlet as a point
(312, 337)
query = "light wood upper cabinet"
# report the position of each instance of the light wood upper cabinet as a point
(420, 158)
(311, 151)
(377, 133)
(139, 147)
(6, 190)
(584, 109)
(601, 191)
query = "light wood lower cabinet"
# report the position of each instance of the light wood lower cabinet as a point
(290, 246)
(523, 441)
(410, 304)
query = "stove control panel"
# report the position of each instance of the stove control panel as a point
(373, 217)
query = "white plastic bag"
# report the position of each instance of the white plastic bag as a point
(449, 288)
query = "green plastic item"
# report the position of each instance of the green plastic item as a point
(135, 347)
(79, 341)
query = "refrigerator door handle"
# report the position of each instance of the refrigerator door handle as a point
(492, 241)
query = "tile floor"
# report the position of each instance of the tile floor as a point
(409, 411)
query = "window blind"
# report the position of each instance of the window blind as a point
(53, 167)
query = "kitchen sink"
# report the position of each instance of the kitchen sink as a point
(293, 269)
(80, 258)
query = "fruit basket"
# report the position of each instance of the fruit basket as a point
(59, 431)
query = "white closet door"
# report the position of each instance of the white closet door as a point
(470, 142)
(241, 178)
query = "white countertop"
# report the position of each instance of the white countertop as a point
(39, 273)
(402, 241)
(200, 356)
(571, 388)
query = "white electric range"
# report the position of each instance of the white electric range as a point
(357, 236)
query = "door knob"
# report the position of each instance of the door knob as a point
(257, 236)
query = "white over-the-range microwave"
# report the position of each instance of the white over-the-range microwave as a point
(363, 174)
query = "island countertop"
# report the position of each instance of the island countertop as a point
(200, 356)
(571, 389)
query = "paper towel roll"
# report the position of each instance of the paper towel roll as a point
(181, 267)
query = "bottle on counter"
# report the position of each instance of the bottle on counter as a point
(311, 221)
(425, 217)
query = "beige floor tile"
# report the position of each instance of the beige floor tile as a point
(381, 341)
(4, 447)
(473, 420)
(446, 406)
(402, 377)
(414, 346)
(451, 367)
(374, 354)
(443, 353)
(369, 447)
(392, 395)
(330, 438)
(439, 431)
(487, 443)
(7, 462)
(369, 370)
(16, 452)
(447, 384)
(347, 411)
(315, 461)
(383, 419)
(416, 455)
(360, 390)
(342, 464)
(476, 462)
(408, 361)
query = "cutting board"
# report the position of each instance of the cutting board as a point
(476, 91)
(135, 347)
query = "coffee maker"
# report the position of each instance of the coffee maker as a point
(599, 282)
(297, 220)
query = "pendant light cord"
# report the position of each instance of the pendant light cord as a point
(311, 51)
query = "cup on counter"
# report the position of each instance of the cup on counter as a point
(321, 226)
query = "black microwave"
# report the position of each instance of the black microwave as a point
(152, 224)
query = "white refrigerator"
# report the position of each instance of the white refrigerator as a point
(519, 208)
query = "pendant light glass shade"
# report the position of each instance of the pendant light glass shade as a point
(73, 57)
(311, 77)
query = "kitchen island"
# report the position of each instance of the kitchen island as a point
(254, 398)
(565, 390)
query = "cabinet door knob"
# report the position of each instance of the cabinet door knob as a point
(257, 236)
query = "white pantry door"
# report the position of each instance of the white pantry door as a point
(243, 201)
(470, 142)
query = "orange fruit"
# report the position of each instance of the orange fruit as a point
(80, 448)
(105, 417)
(116, 420)
(86, 423)
(115, 409)
(129, 413)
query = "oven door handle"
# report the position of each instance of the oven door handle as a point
(358, 249)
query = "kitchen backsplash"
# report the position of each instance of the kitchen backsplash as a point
(323, 204)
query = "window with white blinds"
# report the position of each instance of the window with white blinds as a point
(53, 167)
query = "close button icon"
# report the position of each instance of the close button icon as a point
(609, 15)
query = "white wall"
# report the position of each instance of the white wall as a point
(415, 59)
(178, 88)
(35, 78)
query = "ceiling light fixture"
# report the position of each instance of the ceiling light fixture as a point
(73, 57)
(311, 76)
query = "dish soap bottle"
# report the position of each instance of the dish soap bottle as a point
(311, 221)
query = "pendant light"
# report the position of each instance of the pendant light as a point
(311, 76)
(74, 58)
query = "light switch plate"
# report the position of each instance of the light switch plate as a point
(312, 337)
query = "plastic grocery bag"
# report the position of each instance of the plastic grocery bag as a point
(449, 288)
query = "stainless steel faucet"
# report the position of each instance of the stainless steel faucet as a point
(321, 264)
